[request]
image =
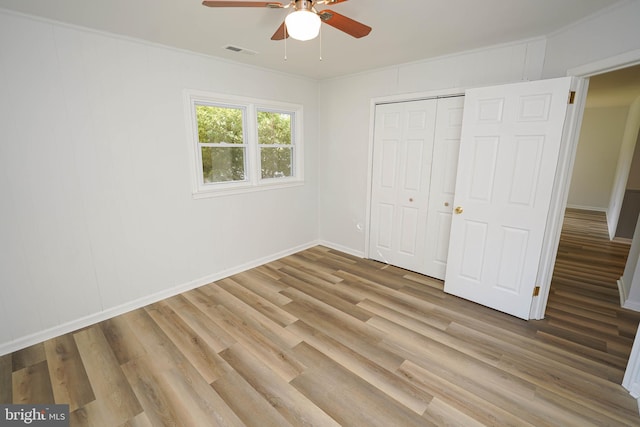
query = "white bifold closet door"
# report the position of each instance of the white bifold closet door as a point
(415, 156)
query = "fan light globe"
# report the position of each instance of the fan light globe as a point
(303, 25)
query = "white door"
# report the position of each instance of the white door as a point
(511, 138)
(402, 158)
(446, 146)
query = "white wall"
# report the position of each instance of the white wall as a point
(97, 215)
(610, 39)
(629, 138)
(629, 283)
(613, 32)
(345, 103)
(345, 114)
(633, 182)
(597, 157)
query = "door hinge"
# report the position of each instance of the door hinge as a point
(536, 291)
(572, 97)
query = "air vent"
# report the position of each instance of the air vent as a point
(239, 49)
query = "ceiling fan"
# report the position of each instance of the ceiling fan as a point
(303, 23)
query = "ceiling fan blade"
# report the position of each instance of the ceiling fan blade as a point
(342, 23)
(330, 2)
(215, 3)
(280, 33)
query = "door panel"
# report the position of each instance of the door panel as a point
(402, 159)
(408, 231)
(512, 257)
(414, 162)
(509, 148)
(385, 229)
(442, 188)
(526, 169)
(442, 225)
(474, 239)
(389, 167)
(483, 168)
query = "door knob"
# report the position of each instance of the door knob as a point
(458, 210)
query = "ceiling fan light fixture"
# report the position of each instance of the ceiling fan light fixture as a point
(303, 25)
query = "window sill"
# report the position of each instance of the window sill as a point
(206, 193)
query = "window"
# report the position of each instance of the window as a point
(240, 144)
(221, 143)
(274, 140)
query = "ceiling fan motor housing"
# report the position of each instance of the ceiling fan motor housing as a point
(303, 5)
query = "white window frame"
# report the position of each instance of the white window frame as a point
(253, 174)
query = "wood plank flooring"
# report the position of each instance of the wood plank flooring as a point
(321, 338)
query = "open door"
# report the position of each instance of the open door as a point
(510, 143)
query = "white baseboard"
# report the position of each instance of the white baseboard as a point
(587, 208)
(91, 319)
(625, 302)
(341, 248)
(622, 291)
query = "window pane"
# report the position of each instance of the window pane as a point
(221, 164)
(274, 128)
(219, 124)
(276, 162)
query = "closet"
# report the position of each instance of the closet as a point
(415, 157)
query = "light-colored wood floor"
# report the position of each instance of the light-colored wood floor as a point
(322, 338)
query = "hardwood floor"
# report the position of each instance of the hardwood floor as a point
(325, 339)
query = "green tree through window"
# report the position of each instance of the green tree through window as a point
(276, 148)
(222, 146)
(241, 144)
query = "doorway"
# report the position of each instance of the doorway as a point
(603, 164)
(603, 173)
(589, 294)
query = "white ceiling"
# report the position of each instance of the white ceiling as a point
(403, 30)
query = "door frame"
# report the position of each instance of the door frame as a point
(564, 171)
(405, 97)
